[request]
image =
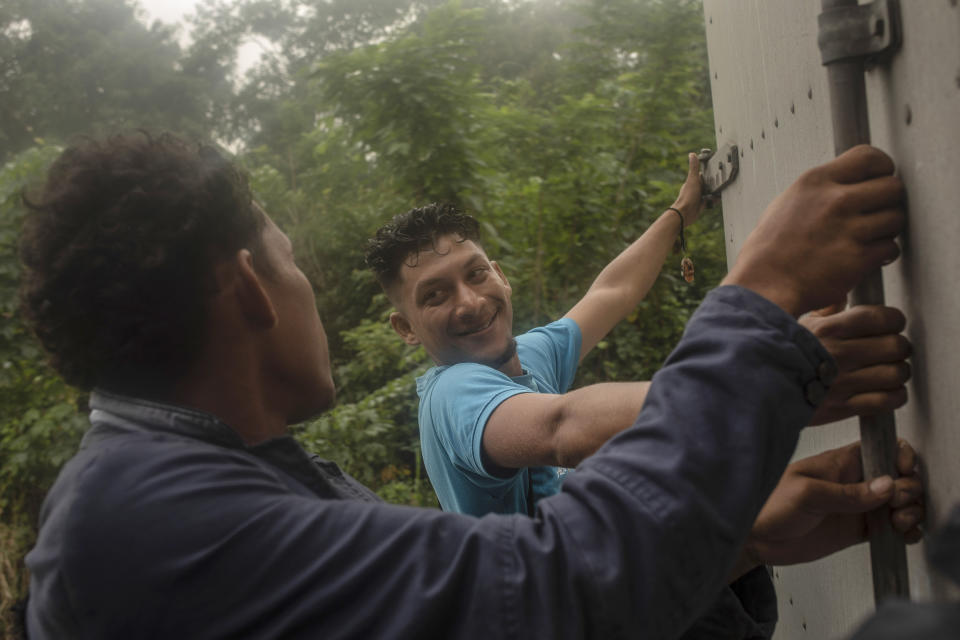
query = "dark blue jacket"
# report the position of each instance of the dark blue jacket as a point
(165, 525)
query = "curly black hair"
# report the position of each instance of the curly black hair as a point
(400, 240)
(119, 248)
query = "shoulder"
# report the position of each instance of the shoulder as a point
(551, 353)
(460, 378)
(457, 401)
(562, 335)
(119, 488)
(559, 330)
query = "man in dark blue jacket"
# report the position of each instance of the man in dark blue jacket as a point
(153, 279)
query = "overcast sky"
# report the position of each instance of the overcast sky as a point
(167, 10)
(171, 11)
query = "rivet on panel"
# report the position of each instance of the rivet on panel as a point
(711, 17)
(763, 134)
(908, 117)
(793, 108)
(714, 75)
(804, 625)
(810, 93)
(879, 27)
(751, 143)
(742, 152)
(721, 129)
(776, 122)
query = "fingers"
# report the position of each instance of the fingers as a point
(870, 404)
(693, 172)
(907, 509)
(908, 491)
(856, 322)
(906, 458)
(689, 199)
(830, 310)
(873, 195)
(841, 464)
(854, 354)
(859, 163)
(879, 225)
(907, 522)
(881, 377)
(880, 253)
(825, 497)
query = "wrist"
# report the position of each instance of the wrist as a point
(769, 288)
(676, 210)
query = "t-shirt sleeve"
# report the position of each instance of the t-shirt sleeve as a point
(458, 406)
(553, 352)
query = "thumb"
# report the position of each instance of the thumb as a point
(835, 497)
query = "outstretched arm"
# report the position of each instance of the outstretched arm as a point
(532, 429)
(849, 208)
(626, 280)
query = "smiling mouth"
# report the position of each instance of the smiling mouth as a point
(480, 328)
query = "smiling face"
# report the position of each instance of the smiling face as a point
(456, 303)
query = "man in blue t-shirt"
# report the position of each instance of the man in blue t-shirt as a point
(455, 404)
(497, 420)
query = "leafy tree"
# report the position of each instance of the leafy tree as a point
(40, 424)
(70, 67)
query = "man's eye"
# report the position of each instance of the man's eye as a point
(479, 273)
(433, 297)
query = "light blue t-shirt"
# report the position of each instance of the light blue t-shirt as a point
(457, 400)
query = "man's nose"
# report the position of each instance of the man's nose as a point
(468, 301)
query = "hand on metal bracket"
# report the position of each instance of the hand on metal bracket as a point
(717, 170)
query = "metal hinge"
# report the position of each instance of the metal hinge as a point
(868, 31)
(717, 170)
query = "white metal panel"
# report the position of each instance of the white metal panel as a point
(915, 116)
(770, 98)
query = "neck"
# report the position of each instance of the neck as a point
(237, 401)
(227, 380)
(511, 367)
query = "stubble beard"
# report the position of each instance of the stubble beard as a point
(505, 355)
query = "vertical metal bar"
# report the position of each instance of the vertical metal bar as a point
(888, 558)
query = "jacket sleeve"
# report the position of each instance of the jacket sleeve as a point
(637, 544)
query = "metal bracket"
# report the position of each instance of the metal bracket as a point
(866, 31)
(717, 170)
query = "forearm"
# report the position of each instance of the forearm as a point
(634, 271)
(589, 416)
(625, 281)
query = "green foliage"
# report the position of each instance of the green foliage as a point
(376, 441)
(412, 102)
(71, 67)
(40, 426)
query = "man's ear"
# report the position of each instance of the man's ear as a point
(403, 328)
(496, 267)
(255, 302)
